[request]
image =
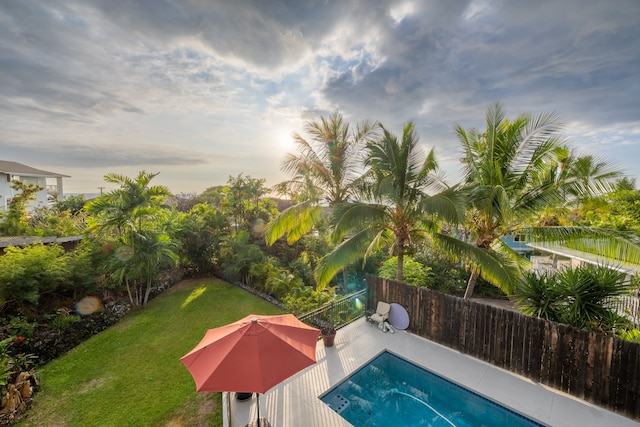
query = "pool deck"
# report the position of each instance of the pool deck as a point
(295, 402)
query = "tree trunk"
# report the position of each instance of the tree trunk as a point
(147, 293)
(138, 289)
(471, 284)
(126, 281)
(149, 281)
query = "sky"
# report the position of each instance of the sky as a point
(198, 91)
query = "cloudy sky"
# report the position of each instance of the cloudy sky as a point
(200, 90)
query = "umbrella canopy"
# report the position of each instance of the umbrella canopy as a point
(253, 354)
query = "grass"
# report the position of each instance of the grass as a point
(131, 374)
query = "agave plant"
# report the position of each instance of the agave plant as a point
(578, 297)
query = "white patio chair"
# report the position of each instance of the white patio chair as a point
(382, 313)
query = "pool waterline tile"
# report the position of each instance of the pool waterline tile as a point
(296, 402)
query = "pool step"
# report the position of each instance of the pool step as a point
(339, 403)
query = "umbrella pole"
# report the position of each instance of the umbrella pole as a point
(258, 402)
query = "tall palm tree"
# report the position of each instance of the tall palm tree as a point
(585, 177)
(324, 172)
(130, 214)
(403, 196)
(126, 208)
(514, 170)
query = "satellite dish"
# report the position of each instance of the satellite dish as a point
(398, 316)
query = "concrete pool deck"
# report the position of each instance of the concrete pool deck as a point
(295, 402)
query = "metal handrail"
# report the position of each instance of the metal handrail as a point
(338, 313)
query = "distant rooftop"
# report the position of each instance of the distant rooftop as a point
(595, 259)
(15, 168)
(7, 241)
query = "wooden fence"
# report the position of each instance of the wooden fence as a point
(595, 367)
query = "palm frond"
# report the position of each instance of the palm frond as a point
(355, 215)
(294, 221)
(612, 245)
(448, 205)
(493, 267)
(348, 252)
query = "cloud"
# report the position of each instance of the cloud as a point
(217, 84)
(60, 153)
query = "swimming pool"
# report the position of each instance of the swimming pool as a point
(389, 390)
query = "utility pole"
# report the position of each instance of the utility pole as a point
(101, 188)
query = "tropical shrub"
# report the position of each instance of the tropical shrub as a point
(578, 297)
(282, 282)
(305, 298)
(303, 270)
(18, 326)
(448, 274)
(53, 222)
(414, 273)
(82, 264)
(238, 255)
(6, 365)
(72, 204)
(201, 231)
(15, 223)
(62, 319)
(25, 273)
(630, 335)
(538, 295)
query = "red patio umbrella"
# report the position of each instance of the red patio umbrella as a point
(253, 354)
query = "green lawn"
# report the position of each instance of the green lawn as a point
(131, 374)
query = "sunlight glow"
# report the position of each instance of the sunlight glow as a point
(193, 296)
(285, 140)
(88, 305)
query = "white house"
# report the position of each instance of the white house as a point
(10, 171)
(575, 258)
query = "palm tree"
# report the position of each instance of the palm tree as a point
(130, 215)
(514, 170)
(324, 173)
(404, 198)
(139, 258)
(125, 209)
(586, 177)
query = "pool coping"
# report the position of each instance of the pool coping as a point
(297, 398)
(431, 374)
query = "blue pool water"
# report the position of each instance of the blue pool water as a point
(390, 391)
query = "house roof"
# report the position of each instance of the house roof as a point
(559, 249)
(15, 168)
(518, 246)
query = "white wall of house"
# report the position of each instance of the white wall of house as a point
(545, 264)
(7, 192)
(41, 200)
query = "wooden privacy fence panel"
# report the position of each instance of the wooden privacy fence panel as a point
(595, 367)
